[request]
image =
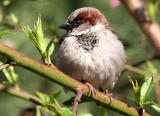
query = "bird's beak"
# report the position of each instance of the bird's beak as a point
(65, 25)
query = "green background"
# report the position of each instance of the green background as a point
(54, 13)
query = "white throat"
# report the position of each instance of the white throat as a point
(85, 28)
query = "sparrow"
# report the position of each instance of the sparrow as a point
(89, 50)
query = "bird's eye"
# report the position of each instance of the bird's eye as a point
(77, 23)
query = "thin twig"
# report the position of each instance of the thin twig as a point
(18, 92)
(136, 70)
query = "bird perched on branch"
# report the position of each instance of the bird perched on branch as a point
(90, 51)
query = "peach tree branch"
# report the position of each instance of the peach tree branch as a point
(151, 28)
(20, 93)
(53, 74)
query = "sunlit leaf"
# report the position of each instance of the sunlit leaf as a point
(66, 112)
(152, 10)
(4, 32)
(45, 46)
(6, 2)
(156, 107)
(48, 111)
(12, 19)
(136, 88)
(11, 76)
(50, 48)
(38, 28)
(85, 114)
(33, 36)
(38, 112)
(44, 97)
(145, 89)
(152, 68)
(55, 95)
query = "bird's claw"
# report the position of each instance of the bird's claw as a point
(92, 90)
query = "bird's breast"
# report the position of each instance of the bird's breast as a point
(100, 66)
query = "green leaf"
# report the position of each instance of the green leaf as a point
(48, 111)
(12, 77)
(156, 108)
(54, 96)
(152, 10)
(136, 88)
(66, 112)
(6, 2)
(50, 48)
(4, 32)
(152, 68)
(132, 99)
(38, 112)
(38, 28)
(12, 18)
(44, 45)
(85, 114)
(145, 89)
(44, 97)
(34, 38)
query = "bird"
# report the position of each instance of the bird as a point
(90, 50)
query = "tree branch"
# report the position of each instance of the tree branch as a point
(136, 70)
(137, 9)
(18, 92)
(55, 75)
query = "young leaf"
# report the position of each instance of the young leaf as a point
(136, 88)
(38, 28)
(66, 112)
(6, 2)
(50, 48)
(12, 77)
(34, 38)
(44, 97)
(54, 96)
(44, 45)
(12, 18)
(86, 114)
(152, 68)
(145, 89)
(38, 112)
(48, 111)
(152, 10)
(4, 32)
(156, 108)
(133, 100)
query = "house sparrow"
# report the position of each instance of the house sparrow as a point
(90, 51)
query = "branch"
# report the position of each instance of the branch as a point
(18, 92)
(152, 30)
(56, 76)
(136, 70)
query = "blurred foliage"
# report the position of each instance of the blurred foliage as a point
(15, 14)
(153, 7)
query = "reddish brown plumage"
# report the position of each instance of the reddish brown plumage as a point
(92, 16)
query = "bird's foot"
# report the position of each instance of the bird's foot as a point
(80, 91)
(106, 92)
(92, 90)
